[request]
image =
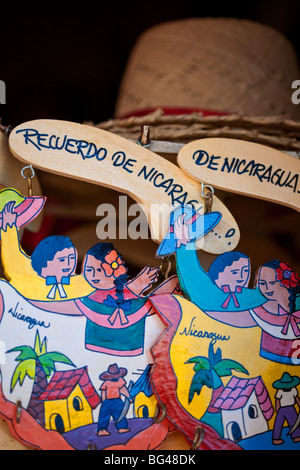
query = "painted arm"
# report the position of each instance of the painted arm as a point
(14, 259)
(143, 281)
(65, 307)
(197, 285)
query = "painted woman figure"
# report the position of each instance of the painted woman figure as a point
(116, 309)
(278, 316)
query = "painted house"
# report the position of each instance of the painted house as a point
(69, 400)
(144, 399)
(246, 408)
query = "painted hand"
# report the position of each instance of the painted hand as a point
(9, 217)
(181, 231)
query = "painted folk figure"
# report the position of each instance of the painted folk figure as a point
(228, 347)
(58, 326)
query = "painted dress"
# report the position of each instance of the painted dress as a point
(280, 339)
(113, 328)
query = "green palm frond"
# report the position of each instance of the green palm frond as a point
(201, 378)
(26, 352)
(224, 367)
(200, 362)
(48, 361)
(25, 368)
(40, 347)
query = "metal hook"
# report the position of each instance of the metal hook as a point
(92, 446)
(29, 178)
(19, 411)
(208, 196)
(160, 415)
(144, 139)
(166, 272)
(198, 439)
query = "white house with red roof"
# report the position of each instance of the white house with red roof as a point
(246, 408)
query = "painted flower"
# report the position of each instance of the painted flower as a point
(113, 265)
(286, 276)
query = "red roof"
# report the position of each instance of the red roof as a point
(238, 391)
(63, 383)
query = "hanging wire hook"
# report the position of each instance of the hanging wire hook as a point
(144, 139)
(165, 272)
(19, 411)
(208, 196)
(28, 177)
(198, 439)
(160, 414)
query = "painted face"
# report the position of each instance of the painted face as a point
(95, 274)
(63, 264)
(235, 275)
(270, 287)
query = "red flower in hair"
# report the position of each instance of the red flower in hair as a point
(113, 265)
(286, 276)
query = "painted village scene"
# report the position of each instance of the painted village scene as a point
(82, 354)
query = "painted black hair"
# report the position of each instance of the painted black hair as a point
(47, 249)
(222, 261)
(99, 252)
(293, 291)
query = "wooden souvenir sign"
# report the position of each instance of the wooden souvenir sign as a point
(75, 348)
(230, 351)
(244, 167)
(97, 156)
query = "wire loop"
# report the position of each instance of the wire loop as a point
(165, 272)
(198, 439)
(160, 414)
(28, 177)
(208, 196)
(19, 411)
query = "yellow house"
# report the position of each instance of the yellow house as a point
(69, 400)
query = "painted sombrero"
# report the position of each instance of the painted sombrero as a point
(27, 208)
(199, 226)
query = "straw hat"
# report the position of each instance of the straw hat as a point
(210, 77)
(218, 64)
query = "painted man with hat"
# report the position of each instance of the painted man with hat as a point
(286, 397)
(112, 388)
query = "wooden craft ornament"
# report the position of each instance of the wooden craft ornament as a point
(244, 167)
(75, 370)
(230, 352)
(97, 156)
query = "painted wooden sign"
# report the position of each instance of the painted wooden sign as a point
(244, 167)
(75, 348)
(97, 156)
(231, 352)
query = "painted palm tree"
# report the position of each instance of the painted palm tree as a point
(38, 365)
(208, 372)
